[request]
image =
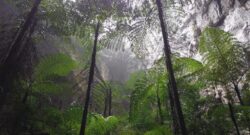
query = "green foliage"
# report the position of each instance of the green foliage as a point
(55, 65)
(72, 120)
(50, 74)
(185, 67)
(246, 96)
(223, 56)
(128, 132)
(243, 115)
(98, 125)
(130, 84)
(141, 115)
(144, 111)
(225, 64)
(161, 130)
(50, 79)
(49, 107)
(62, 22)
(41, 113)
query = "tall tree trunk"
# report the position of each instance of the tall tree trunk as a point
(233, 118)
(90, 81)
(175, 126)
(172, 80)
(9, 66)
(231, 110)
(16, 48)
(110, 102)
(32, 29)
(105, 104)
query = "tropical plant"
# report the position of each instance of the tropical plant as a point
(48, 52)
(225, 63)
(172, 82)
(98, 125)
(148, 106)
(49, 71)
(90, 81)
(224, 58)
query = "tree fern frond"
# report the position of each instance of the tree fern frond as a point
(222, 54)
(50, 74)
(58, 64)
(98, 125)
(186, 66)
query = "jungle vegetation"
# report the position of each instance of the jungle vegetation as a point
(61, 90)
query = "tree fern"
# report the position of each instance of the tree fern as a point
(98, 125)
(50, 72)
(58, 64)
(224, 59)
(185, 67)
(153, 83)
(222, 54)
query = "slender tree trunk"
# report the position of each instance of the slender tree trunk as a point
(32, 29)
(233, 118)
(172, 81)
(90, 81)
(236, 88)
(175, 126)
(16, 47)
(91, 105)
(110, 102)
(105, 104)
(9, 66)
(231, 109)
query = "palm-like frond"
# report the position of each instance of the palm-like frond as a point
(56, 65)
(185, 67)
(50, 73)
(98, 125)
(222, 54)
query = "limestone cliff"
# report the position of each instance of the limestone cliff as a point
(230, 15)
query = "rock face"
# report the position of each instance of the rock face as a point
(230, 15)
(186, 20)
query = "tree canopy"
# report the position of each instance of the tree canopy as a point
(111, 67)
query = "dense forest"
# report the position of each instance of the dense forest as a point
(124, 67)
